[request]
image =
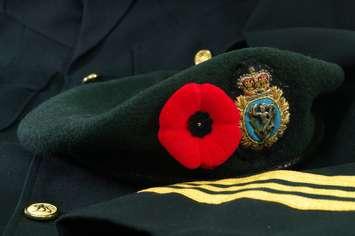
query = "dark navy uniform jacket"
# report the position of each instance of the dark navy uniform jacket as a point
(47, 47)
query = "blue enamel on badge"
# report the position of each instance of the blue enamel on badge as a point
(264, 110)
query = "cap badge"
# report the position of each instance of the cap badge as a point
(264, 110)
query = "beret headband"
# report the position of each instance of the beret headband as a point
(241, 112)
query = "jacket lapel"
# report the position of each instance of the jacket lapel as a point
(98, 19)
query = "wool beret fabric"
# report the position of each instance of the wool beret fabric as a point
(115, 124)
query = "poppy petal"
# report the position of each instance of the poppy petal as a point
(220, 145)
(182, 104)
(181, 145)
(211, 149)
(214, 101)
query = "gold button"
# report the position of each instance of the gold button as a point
(41, 211)
(90, 78)
(202, 55)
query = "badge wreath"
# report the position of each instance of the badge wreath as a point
(265, 112)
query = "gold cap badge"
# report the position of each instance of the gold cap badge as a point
(264, 110)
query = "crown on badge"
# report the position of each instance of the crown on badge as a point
(254, 82)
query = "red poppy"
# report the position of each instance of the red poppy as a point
(199, 126)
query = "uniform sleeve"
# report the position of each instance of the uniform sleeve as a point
(271, 203)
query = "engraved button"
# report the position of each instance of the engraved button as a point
(90, 78)
(41, 211)
(202, 55)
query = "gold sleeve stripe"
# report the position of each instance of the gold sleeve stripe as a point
(286, 175)
(276, 186)
(293, 201)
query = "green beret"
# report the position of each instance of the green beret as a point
(135, 126)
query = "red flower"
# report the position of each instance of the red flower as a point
(199, 126)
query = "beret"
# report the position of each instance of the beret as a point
(133, 127)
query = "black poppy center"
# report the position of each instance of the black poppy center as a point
(200, 124)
